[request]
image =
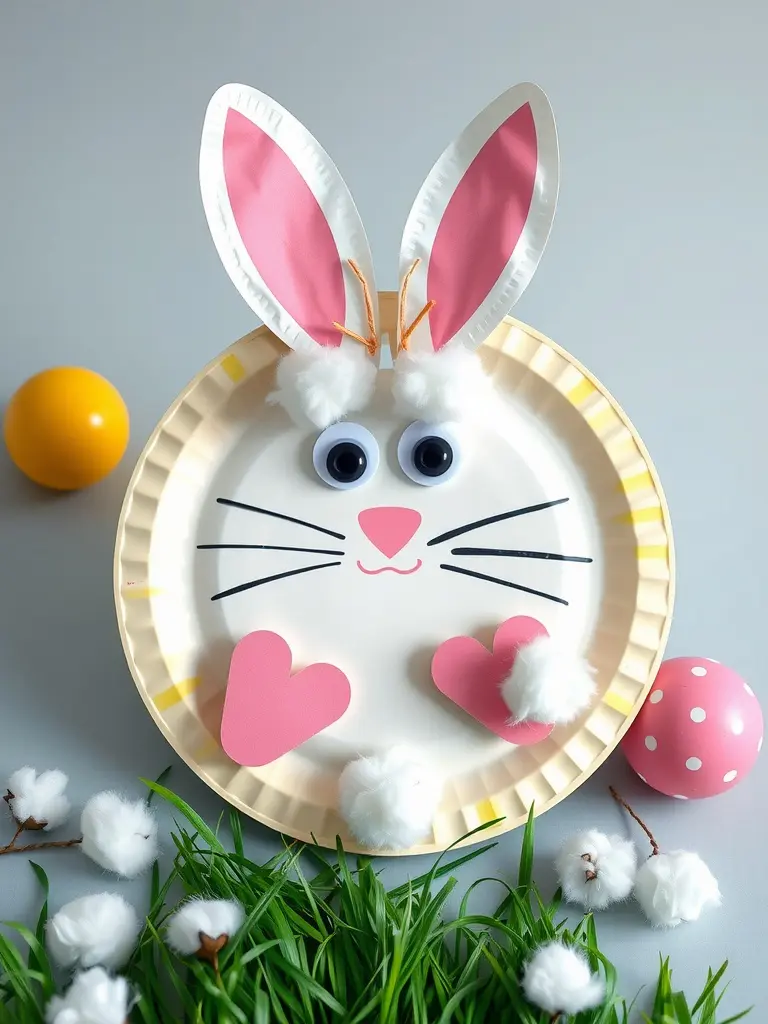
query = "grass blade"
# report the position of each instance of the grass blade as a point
(525, 872)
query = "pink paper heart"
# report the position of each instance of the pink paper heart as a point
(470, 675)
(267, 711)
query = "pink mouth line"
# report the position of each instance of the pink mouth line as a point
(390, 568)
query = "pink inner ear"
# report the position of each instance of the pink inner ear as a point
(482, 225)
(283, 229)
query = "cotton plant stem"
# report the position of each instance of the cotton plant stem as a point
(623, 803)
(19, 830)
(31, 847)
(209, 950)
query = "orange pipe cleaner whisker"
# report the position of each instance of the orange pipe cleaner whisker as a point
(371, 342)
(406, 332)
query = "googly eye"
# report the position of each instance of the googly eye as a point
(345, 455)
(428, 453)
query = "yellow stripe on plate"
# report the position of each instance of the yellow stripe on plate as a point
(639, 482)
(132, 592)
(601, 419)
(581, 391)
(233, 368)
(176, 693)
(620, 704)
(651, 551)
(207, 748)
(653, 514)
(486, 811)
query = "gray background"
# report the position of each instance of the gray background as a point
(654, 277)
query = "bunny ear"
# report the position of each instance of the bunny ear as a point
(283, 221)
(480, 222)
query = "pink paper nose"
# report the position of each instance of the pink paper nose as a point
(389, 529)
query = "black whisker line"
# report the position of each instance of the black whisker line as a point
(280, 515)
(505, 583)
(511, 553)
(270, 579)
(267, 547)
(495, 519)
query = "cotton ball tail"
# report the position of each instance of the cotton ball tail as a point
(389, 800)
(699, 732)
(548, 683)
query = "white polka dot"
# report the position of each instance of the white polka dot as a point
(698, 714)
(698, 671)
(749, 689)
(730, 776)
(737, 726)
(760, 744)
(679, 796)
(693, 764)
(650, 742)
(656, 696)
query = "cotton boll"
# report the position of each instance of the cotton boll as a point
(558, 979)
(596, 870)
(93, 998)
(93, 930)
(389, 800)
(119, 834)
(323, 386)
(548, 683)
(675, 887)
(212, 918)
(38, 801)
(445, 386)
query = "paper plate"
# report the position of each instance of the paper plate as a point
(561, 454)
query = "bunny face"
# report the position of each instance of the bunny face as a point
(403, 469)
(387, 496)
(374, 577)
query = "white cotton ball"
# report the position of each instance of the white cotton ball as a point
(389, 800)
(119, 834)
(207, 917)
(94, 930)
(39, 799)
(323, 386)
(675, 887)
(93, 998)
(596, 870)
(444, 386)
(558, 979)
(548, 683)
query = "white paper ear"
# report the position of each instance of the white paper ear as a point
(285, 227)
(481, 221)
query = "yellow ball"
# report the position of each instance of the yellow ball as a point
(66, 428)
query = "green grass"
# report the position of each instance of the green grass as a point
(335, 945)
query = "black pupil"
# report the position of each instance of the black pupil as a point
(432, 456)
(346, 462)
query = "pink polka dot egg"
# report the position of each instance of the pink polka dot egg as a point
(698, 733)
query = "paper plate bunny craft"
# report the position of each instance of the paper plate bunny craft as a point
(432, 543)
